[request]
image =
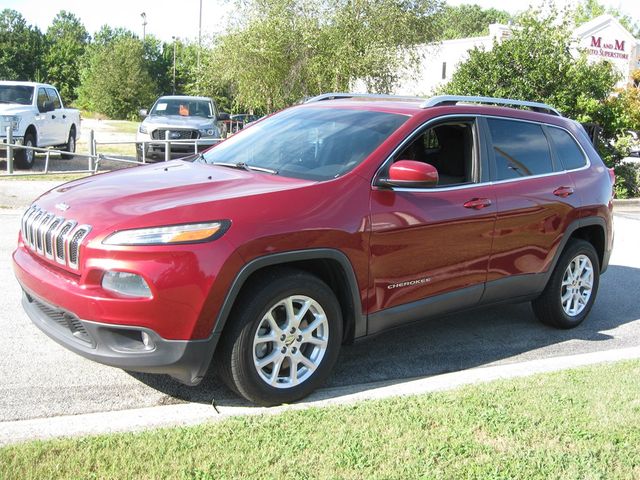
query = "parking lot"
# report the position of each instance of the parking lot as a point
(38, 378)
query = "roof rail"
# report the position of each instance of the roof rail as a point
(454, 99)
(339, 95)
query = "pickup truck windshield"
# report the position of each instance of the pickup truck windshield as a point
(308, 143)
(184, 108)
(19, 94)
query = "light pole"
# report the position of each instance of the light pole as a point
(199, 48)
(174, 64)
(144, 26)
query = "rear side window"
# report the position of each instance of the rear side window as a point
(570, 155)
(53, 96)
(520, 149)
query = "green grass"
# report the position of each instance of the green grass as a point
(575, 424)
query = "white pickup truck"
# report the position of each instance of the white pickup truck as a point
(37, 118)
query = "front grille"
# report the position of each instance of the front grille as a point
(63, 319)
(53, 237)
(175, 134)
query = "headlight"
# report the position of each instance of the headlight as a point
(143, 129)
(13, 120)
(207, 132)
(189, 233)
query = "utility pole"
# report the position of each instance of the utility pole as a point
(199, 48)
(174, 64)
(144, 26)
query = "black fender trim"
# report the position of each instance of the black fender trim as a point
(360, 320)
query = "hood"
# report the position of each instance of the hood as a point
(160, 194)
(13, 108)
(177, 121)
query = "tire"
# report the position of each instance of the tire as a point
(251, 338)
(571, 291)
(70, 146)
(26, 158)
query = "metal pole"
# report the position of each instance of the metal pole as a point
(167, 146)
(174, 65)
(144, 26)
(92, 149)
(46, 161)
(199, 41)
(9, 149)
(144, 152)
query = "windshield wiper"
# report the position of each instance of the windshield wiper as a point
(244, 166)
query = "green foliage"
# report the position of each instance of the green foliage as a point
(66, 40)
(283, 50)
(21, 47)
(116, 80)
(587, 10)
(464, 21)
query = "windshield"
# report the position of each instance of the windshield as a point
(19, 94)
(308, 143)
(183, 107)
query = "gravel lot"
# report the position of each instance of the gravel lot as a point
(38, 378)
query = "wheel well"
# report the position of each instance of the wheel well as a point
(330, 272)
(32, 130)
(594, 234)
(73, 130)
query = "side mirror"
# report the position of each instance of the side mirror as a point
(47, 106)
(143, 112)
(411, 174)
(223, 116)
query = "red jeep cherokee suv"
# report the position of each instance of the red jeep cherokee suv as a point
(324, 223)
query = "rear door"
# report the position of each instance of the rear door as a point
(535, 200)
(430, 247)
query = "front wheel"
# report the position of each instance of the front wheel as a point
(572, 288)
(283, 338)
(25, 157)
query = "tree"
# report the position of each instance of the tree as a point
(587, 10)
(282, 50)
(116, 80)
(20, 48)
(66, 40)
(464, 21)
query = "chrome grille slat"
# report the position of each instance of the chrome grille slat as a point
(53, 237)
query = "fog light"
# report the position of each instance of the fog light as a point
(125, 283)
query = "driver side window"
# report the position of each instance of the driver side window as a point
(449, 147)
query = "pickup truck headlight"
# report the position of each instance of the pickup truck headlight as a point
(143, 129)
(170, 235)
(13, 120)
(207, 132)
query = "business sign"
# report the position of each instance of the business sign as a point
(602, 48)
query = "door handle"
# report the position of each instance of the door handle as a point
(64, 116)
(563, 192)
(53, 116)
(477, 203)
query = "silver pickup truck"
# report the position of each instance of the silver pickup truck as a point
(37, 118)
(185, 120)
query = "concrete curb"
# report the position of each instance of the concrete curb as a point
(193, 413)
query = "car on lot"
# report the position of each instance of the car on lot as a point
(190, 123)
(37, 118)
(318, 226)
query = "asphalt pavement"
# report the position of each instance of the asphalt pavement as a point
(39, 378)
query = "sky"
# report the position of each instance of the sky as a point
(167, 18)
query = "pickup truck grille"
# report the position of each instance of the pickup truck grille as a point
(175, 134)
(53, 237)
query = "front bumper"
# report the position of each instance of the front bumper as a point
(122, 346)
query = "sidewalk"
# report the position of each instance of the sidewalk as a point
(196, 413)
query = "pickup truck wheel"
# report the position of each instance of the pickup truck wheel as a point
(25, 158)
(70, 146)
(571, 291)
(283, 340)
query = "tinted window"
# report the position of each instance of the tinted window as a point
(521, 149)
(42, 98)
(311, 143)
(53, 96)
(567, 150)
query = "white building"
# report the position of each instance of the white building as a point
(603, 38)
